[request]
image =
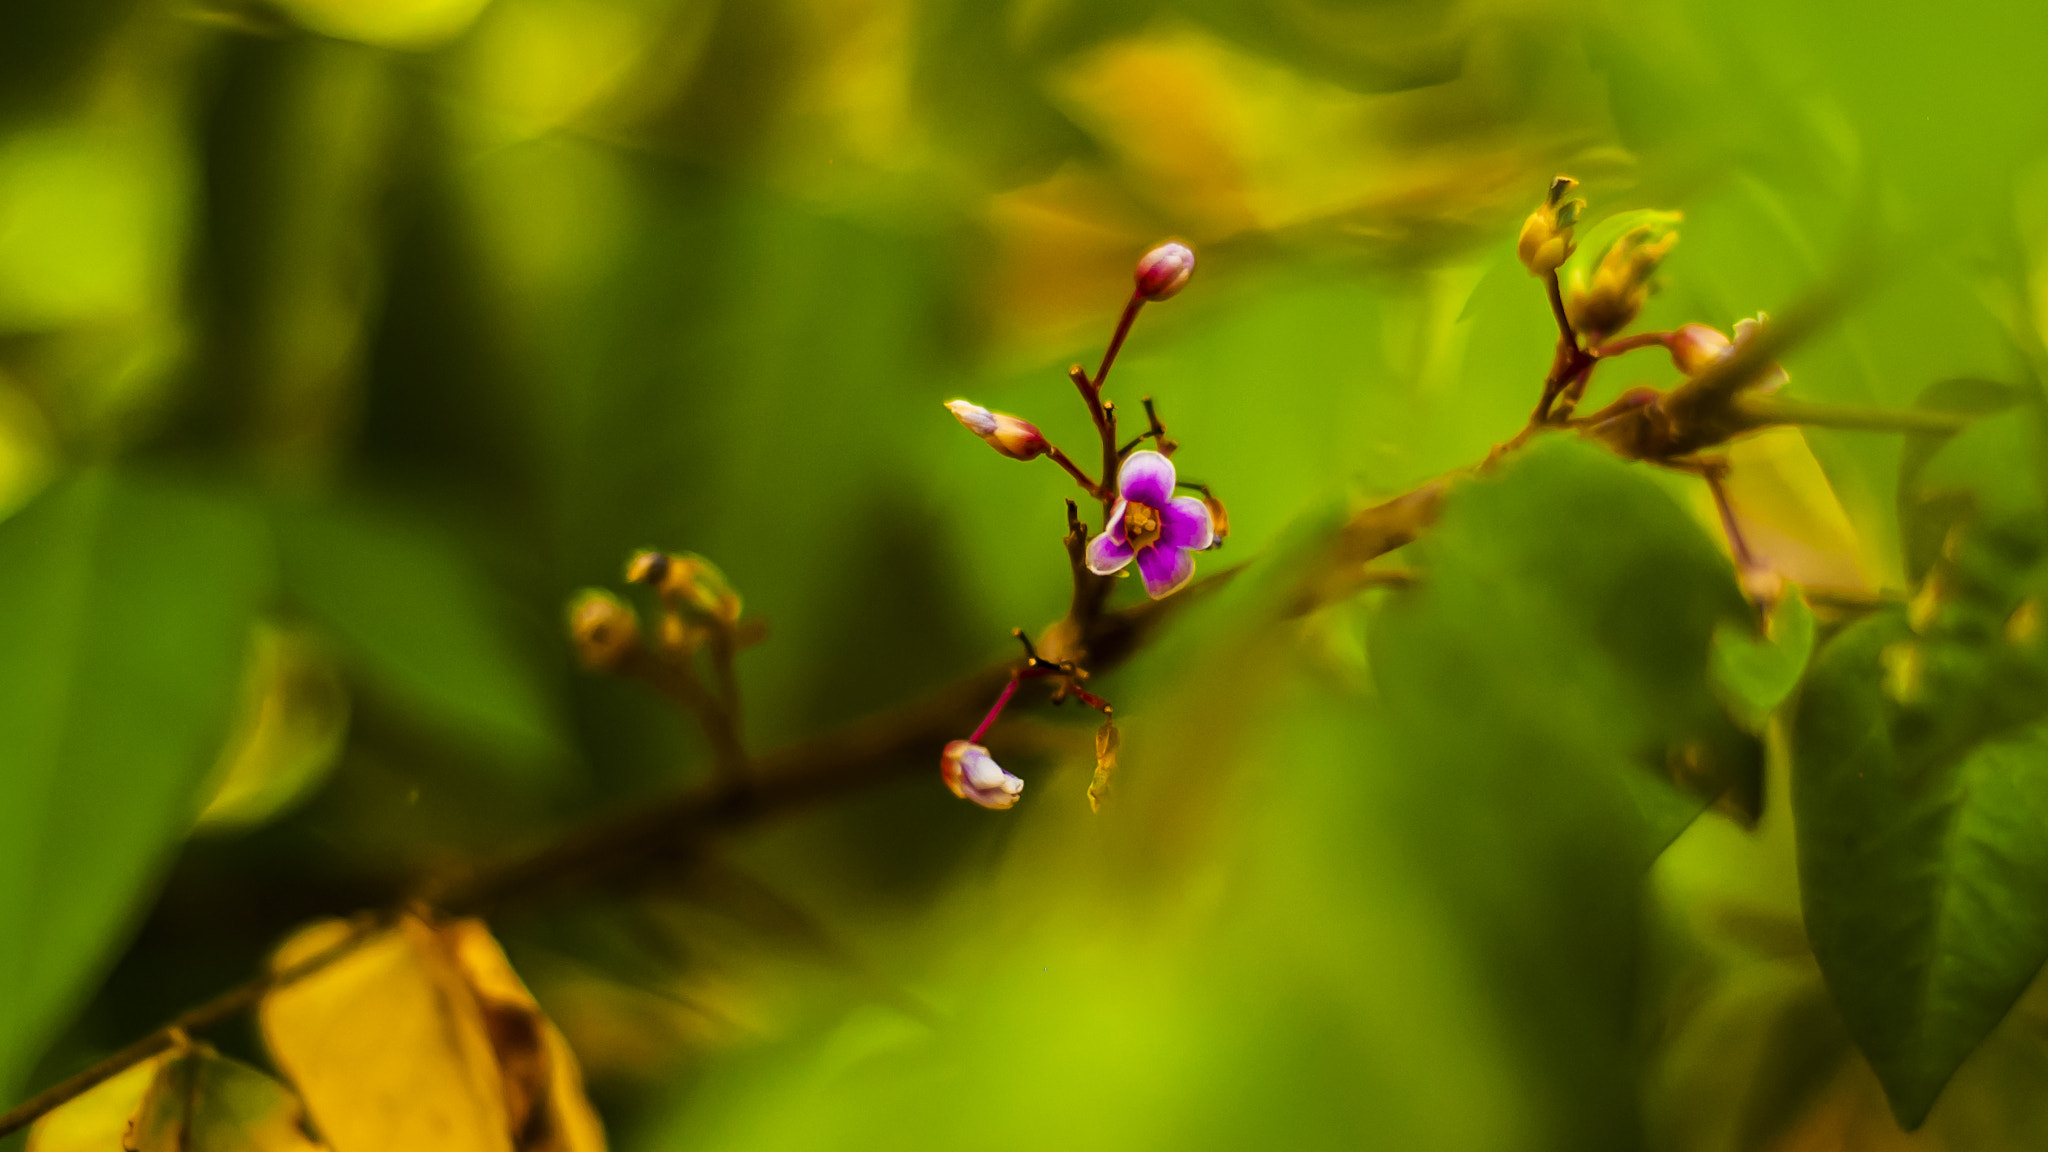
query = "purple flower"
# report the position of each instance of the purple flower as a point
(1160, 530)
(974, 775)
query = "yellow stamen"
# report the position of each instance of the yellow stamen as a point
(1141, 524)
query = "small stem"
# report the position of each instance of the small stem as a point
(1104, 416)
(1574, 388)
(1555, 291)
(722, 649)
(1086, 482)
(1571, 364)
(676, 680)
(1030, 652)
(222, 1007)
(1155, 431)
(1123, 329)
(1090, 590)
(1111, 461)
(1744, 558)
(988, 721)
(1088, 698)
(1631, 343)
(1771, 410)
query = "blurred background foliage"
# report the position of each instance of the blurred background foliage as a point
(341, 339)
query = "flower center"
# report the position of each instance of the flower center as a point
(1141, 524)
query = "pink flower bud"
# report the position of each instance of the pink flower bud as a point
(1017, 439)
(1165, 270)
(972, 774)
(1696, 348)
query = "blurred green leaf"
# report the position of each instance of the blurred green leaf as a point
(1993, 461)
(1577, 600)
(1925, 517)
(1921, 789)
(126, 604)
(422, 627)
(1755, 673)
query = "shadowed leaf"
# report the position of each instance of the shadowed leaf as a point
(125, 607)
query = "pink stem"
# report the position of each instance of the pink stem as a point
(1744, 559)
(989, 720)
(1123, 329)
(1631, 343)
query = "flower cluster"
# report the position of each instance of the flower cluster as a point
(1144, 524)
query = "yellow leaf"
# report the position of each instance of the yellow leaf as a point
(201, 1101)
(1107, 741)
(424, 1039)
(188, 1100)
(1789, 514)
(97, 1120)
(544, 1086)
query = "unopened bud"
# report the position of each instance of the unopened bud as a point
(1165, 270)
(1017, 439)
(972, 774)
(1620, 283)
(604, 628)
(686, 582)
(1546, 240)
(1696, 348)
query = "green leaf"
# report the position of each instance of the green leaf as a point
(1925, 517)
(1920, 792)
(1755, 673)
(1573, 601)
(126, 605)
(421, 625)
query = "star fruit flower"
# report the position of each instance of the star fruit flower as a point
(1148, 523)
(972, 774)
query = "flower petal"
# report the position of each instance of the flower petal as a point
(1146, 477)
(1165, 569)
(1109, 552)
(972, 774)
(974, 417)
(1185, 523)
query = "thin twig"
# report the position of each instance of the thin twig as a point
(1571, 364)
(676, 680)
(223, 1007)
(1086, 481)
